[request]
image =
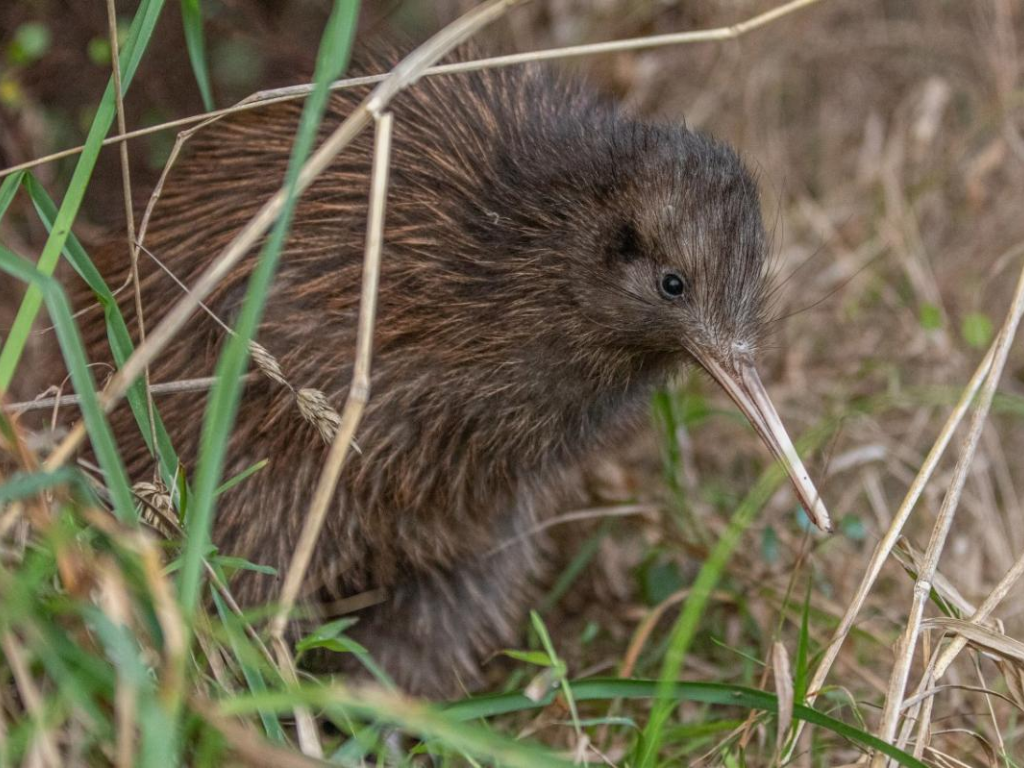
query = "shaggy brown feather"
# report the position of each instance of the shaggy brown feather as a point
(521, 325)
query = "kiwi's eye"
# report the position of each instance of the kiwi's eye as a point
(672, 285)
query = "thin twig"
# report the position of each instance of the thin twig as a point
(885, 546)
(358, 396)
(597, 513)
(248, 744)
(166, 388)
(290, 93)
(985, 610)
(32, 698)
(129, 209)
(407, 72)
(922, 588)
(919, 706)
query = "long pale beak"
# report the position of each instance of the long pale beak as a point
(744, 386)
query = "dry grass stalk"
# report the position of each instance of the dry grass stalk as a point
(113, 599)
(892, 536)
(359, 393)
(43, 746)
(163, 388)
(579, 515)
(129, 210)
(277, 95)
(404, 74)
(984, 611)
(784, 690)
(919, 706)
(312, 403)
(908, 642)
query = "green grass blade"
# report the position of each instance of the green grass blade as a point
(138, 38)
(192, 21)
(686, 626)
(802, 678)
(23, 485)
(601, 689)
(579, 562)
(252, 674)
(223, 402)
(441, 722)
(8, 189)
(426, 721)
(78, 366)
(120, 340)
(241, 477)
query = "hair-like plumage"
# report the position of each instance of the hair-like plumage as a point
(520, 325)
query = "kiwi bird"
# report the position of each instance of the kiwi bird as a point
(548, 262)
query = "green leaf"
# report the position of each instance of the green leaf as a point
(331, 637)
(328, 631)
(852, 527)
(232, 564)
(659, 578)
(801, 677)
(242, 476)
(222, 406)
(192, 20)
(74, 356)
(930, 317)
(337, 645)
(138, 38)
(538, 658)
(976, 329)
(770, 547)
(606, 689)
(31, 42)
(686, 625)
(98, 50)
(8, 189)
(118, 337)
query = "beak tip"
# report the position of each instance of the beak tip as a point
(820, 517)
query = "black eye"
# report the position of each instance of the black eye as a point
(672, 285)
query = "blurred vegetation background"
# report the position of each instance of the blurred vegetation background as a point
(887, 137)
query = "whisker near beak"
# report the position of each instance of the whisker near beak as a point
(741, 382)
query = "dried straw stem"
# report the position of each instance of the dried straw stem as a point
(919, 707)
(405, 74)
(922, 588)
(43, 750)
(129, 209)
(885, 546)
(290, 93)
(166, 388)
(358, 396)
